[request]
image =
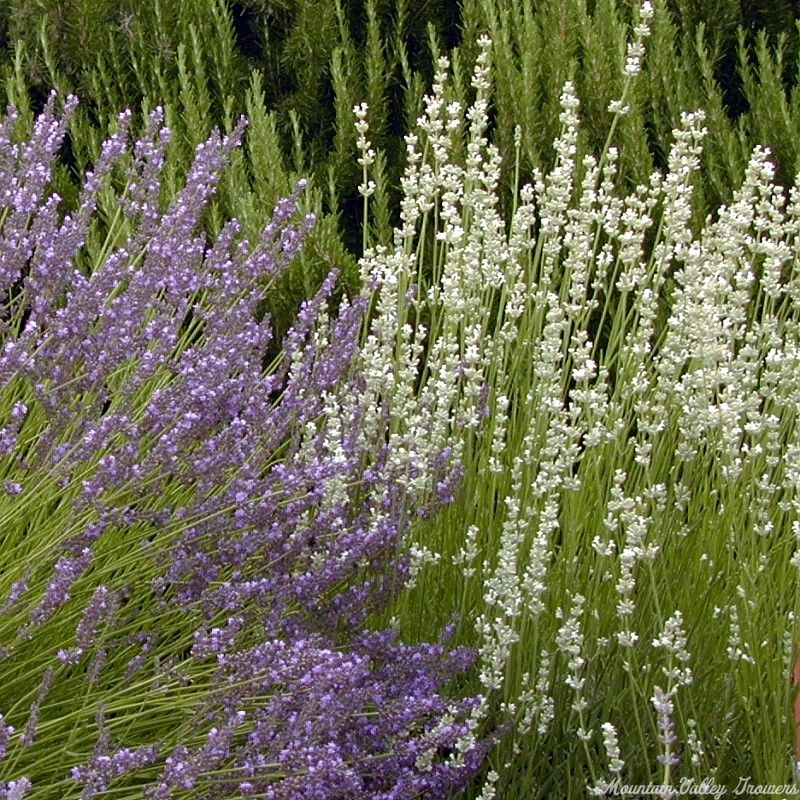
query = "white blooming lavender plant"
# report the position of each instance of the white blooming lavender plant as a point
(195, 532)
(624, 393)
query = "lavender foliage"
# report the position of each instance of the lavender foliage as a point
(195, 528)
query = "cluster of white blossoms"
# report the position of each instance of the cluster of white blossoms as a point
(429, 347)
(615, 765)
(621, 386)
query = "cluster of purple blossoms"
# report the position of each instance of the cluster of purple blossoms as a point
(213, 494)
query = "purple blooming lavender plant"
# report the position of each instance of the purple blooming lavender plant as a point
(195, 530)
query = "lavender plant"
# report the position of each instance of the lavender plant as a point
(195, 534)
(623, 546)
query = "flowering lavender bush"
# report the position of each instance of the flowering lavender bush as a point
(625, 542)
(195, 533)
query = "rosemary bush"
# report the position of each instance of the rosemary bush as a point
(314, 60)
